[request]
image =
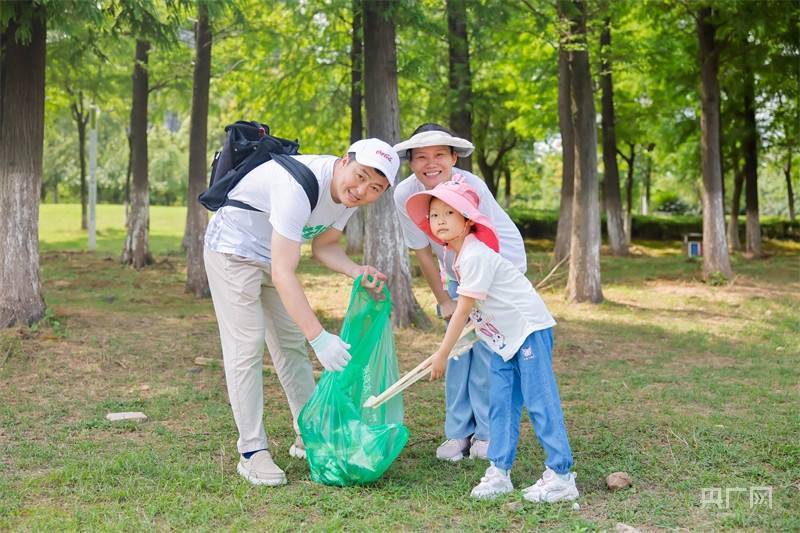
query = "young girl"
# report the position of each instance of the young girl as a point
(513, 320)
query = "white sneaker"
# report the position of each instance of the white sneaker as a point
(552, 488)
(260, 469)
(452, 449)
(479, 449)
(298, 449)
(494, 483)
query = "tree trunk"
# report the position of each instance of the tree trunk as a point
(81, 119)
(733, 223)
(196, 215)
(354, 231)
(583, 282)
(750, 147)
(613, 203)
(787, 171)
(564, 231)
(631, 161)
(384, 247)
(22, 80)
(716, 261)
(460, 77)
(507, 195)
(136, 251)
(648, 170)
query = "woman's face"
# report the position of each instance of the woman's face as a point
(432, 165)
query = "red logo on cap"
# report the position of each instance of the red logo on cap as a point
(384, 155)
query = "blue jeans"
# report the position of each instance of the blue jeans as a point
(466, 390)
(527, 380)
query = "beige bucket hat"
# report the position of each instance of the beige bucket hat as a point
(462, 147)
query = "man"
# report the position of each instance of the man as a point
(432, 152)
(251, 257)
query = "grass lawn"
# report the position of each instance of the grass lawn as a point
(683, 385)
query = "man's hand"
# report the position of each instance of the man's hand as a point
(438, 365)
(373, 280)
(331, 351)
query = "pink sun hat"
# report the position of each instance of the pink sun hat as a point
(459, 195)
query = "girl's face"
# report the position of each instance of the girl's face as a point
(447, 224)
(432, 165)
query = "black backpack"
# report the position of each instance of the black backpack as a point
(247, 145)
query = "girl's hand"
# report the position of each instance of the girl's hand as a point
(438, 365)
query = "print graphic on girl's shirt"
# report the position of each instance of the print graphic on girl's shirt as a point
(485, 326)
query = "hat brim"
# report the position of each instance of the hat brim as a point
(462, 147)
(418, 207)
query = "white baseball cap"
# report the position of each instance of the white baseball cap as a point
(462, 147)
(377, 154)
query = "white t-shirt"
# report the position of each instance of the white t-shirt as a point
(511, 245)
(508, 308)
(284, 206)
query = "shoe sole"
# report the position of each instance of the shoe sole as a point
(564, 496)
(491, 495)
(453, 459)
(259, 481)
(297, 453)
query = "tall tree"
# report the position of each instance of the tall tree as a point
(613, 204)
(196, 216)
(583, 281)
(564, 230)
(750, 148)
(736, 196)
(384, 246)
(136, 252)
(22, 79)
(355, 226)
(630, 161)
(460, 77)
(787, 172)
(716, 261)
(80, 114)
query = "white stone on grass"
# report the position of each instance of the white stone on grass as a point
(134, 416)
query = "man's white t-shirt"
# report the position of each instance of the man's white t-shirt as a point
(511, 245)
(508, 308)
(284, 206)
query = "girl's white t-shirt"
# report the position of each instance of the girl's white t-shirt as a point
(283, 206)
(508, 308)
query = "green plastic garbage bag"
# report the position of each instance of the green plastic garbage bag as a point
(347, 444)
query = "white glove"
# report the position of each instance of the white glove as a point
(331, 351)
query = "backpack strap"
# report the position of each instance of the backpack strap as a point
(301, 173)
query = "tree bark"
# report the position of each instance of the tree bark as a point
(583, 282)
(750, 147)
(564, 231)
(787, 171)
(736, 197)
(136, 252)
(716, 261)
(613, 203)
(460, 77)
(196, 215)
(22, 81)
(384, 246)
(354, 231)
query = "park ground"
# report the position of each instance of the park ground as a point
(686, 386)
